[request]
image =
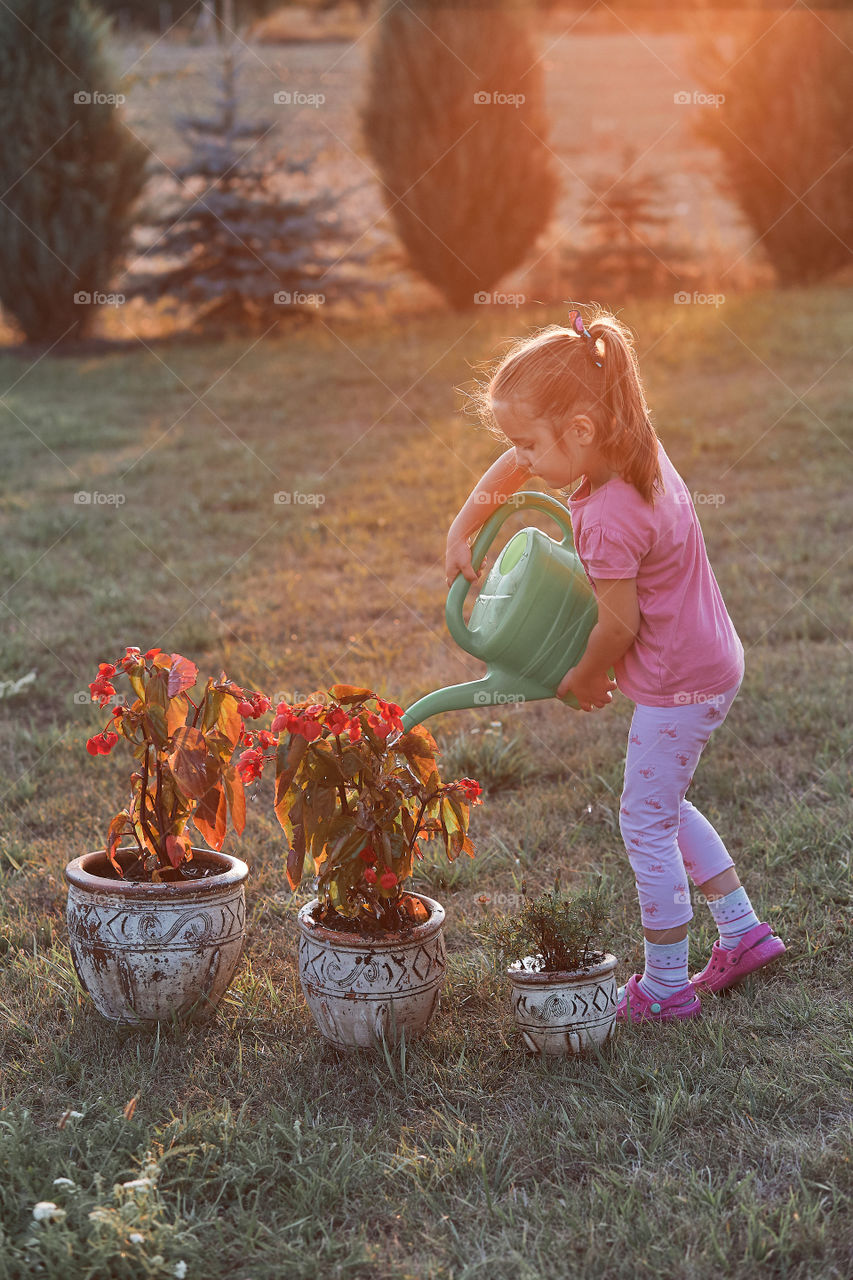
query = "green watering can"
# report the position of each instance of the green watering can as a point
(531, 619)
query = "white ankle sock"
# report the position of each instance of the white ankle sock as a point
(666, 968)
(734, 917)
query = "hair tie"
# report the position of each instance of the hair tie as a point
(576, 322)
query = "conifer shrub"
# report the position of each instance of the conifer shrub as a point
(70, 170)
(783, 133)
(455, 124)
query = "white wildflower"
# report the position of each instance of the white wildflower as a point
(136, 1238)
(137, 1184)
(68, 1183)
(180, 1269)
(47, 1211)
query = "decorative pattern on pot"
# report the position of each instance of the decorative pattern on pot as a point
(149, 952)
(360, 990)
(559, 1013)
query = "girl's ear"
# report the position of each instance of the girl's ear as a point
(583, 428)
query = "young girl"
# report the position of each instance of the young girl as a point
(569, 402)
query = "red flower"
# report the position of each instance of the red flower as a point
(390, 712)
(370, 875)
(337, 720)
(354, 730)
(307, 728)
(246, 740)
(106, 669)
(382, 728)
(470, 790)
(131, 658)
(387, 880)
(102, 743)
(266, 739)
(100, 688)
(246, 710)
(250, 765)
(367, 854)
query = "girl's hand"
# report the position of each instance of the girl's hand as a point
(591, 691)
(457, 560)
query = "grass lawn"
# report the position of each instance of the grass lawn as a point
(718, 1147)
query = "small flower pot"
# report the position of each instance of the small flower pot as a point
(149, 952)
(362, 990)
(562, 1013)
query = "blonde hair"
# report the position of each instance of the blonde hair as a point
(555, 371)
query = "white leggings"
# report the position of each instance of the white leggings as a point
(666, 837)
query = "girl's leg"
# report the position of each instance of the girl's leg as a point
(664, 747)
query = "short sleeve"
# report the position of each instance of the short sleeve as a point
(612, 553)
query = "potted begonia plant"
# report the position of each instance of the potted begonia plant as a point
(360, 798)
(562, 977)
(155, 927)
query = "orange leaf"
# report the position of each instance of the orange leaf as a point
(350, 693)
(177, 850)
(229, 721)
(182, 674)
(188, 761)
(211, 816)
(236, 794)
(420, 749)
(176, 713)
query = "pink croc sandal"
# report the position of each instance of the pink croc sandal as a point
(756, 948)
(635, 1006)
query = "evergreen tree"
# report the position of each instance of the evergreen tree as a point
(70, 170)
(454, 121)
(783, 132)
(239, 250)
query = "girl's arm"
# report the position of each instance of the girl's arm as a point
(609, 640)
(503, 478)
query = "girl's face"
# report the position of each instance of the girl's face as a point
(558, 459)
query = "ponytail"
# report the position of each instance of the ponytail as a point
(627, 438)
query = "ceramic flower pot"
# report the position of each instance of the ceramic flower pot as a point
(361, 989)
(565, 1012)
(149, 952)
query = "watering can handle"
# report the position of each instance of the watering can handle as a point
(459, 588)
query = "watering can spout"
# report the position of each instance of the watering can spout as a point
(495, 689)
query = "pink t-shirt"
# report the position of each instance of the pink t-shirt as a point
(687, 644)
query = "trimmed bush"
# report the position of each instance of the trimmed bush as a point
(70, 170)
(783, 132)
(455, 124)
